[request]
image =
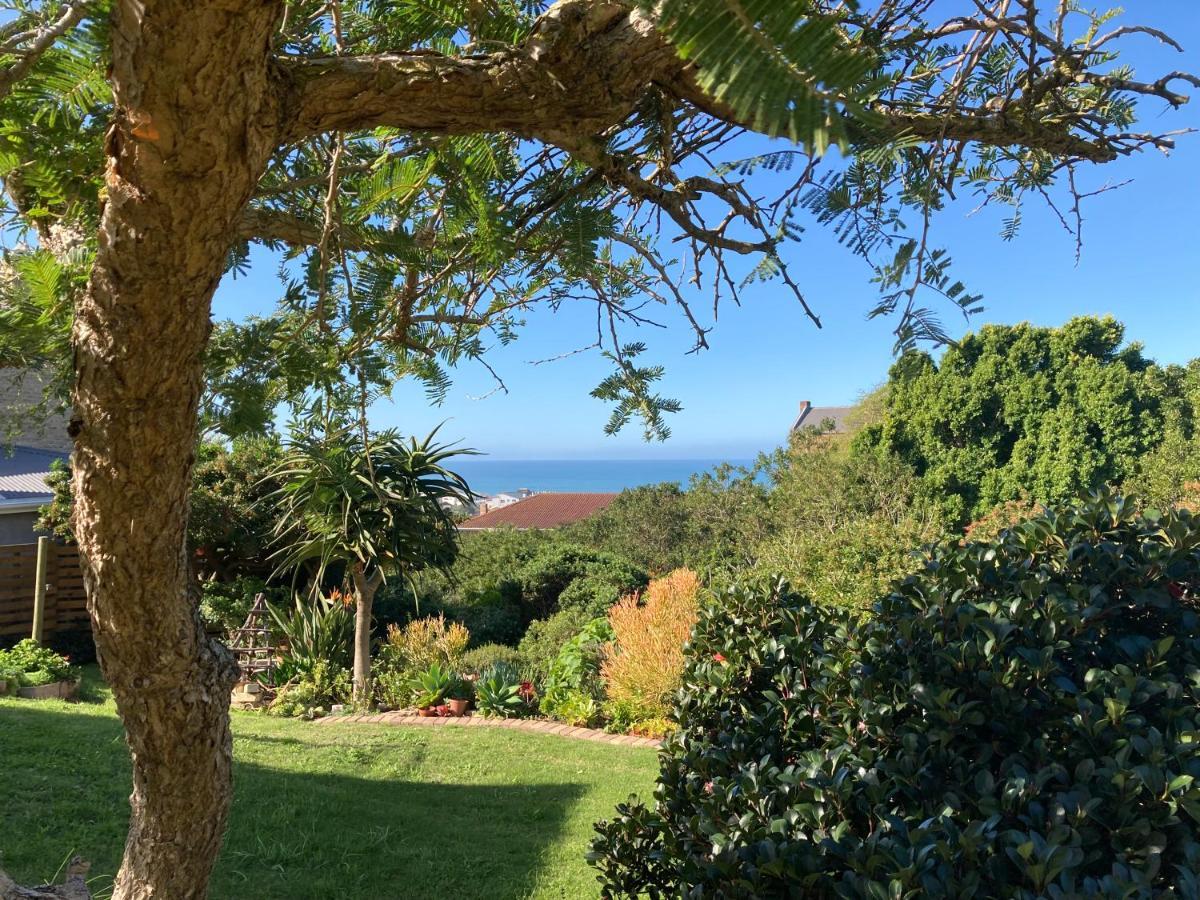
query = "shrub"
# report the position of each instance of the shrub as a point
(1016, 721)
(318, 630)
(478, 660)
(643, 664)
(999, 518)
(226, 604)
(548, 579)
(30, 664)
(545, 638)
(311, 693)
(492, 615)
(422, 643)
(573, 691)
(853, 563)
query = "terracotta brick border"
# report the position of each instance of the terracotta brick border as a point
(535, 726)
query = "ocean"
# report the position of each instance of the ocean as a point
(495, 476)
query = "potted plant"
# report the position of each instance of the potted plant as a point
(459, 695)
(429, 689)
(39, 672)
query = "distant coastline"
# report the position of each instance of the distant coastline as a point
(494, 476)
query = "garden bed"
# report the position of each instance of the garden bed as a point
(55, 690)
(535, 726)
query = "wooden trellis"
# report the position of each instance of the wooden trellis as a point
(253, 646)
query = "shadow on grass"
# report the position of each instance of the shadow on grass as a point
(302, 826)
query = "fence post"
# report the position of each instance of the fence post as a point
(39, 588)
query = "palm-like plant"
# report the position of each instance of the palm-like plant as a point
(374, 505)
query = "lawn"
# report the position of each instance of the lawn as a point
(328, 811)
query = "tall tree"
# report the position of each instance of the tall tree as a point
(373, 504)
(1027, 413)
(433, 168)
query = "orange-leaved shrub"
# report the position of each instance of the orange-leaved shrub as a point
(644, 662)
(423, 642)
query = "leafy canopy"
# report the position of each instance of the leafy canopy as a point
(403, 254)
(1029, 413)
(373, 502)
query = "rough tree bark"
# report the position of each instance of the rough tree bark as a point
(193, 131)
(365, 589)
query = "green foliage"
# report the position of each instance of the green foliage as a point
(317, 632)
(573, 690)
(226, 604)
(648, 525)
(423, 643)
(231, 515)
(310, 694)
(628, 389)
(545, 639)
(786, 69)
(430, 687)
(373, 504)
(1170, 473)
(55, 517)
(844, 527)
(1023, 412)
(714, 524)
(1017, 721)
(479, 660)
(30, 664)
(498, 695)
(491, 615)
(565, 576)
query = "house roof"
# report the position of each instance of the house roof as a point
(541, 511)
(812, 416)
(23, 472)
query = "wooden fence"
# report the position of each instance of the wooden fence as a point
(66, 602)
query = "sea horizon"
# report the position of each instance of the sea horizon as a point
(496, 476)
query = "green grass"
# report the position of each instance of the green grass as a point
(354, 811)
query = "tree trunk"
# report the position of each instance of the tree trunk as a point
(192, 133)
(364, 599)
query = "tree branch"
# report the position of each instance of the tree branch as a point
(582, 70)
(42, 40)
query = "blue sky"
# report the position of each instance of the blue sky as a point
(1141, 263)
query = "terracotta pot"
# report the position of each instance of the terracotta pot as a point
(426, 712)
(458, 707)
(58, 690)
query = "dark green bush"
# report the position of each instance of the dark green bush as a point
(479, 659)
(1019, 720)
(225, 604)
(491, 615)
(545, 638)
(569, 575)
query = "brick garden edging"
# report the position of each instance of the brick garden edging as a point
(535, 726)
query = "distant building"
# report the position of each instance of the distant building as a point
(23, 490)
(31, 439)
(548, 510)
(813, 416)
(456, 507)
(499, 501)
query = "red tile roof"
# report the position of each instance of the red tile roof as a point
(542, 511)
